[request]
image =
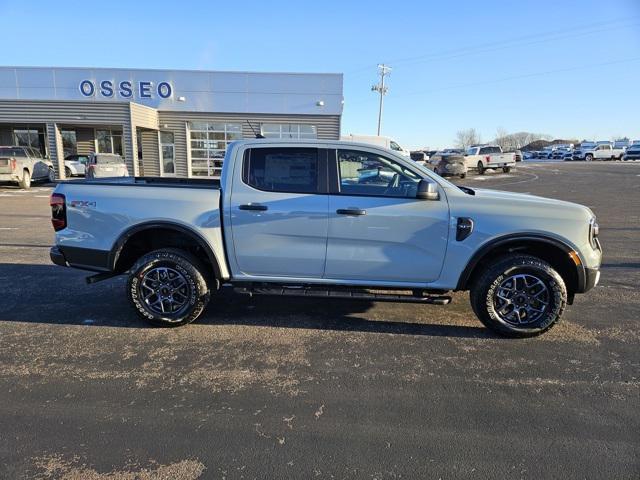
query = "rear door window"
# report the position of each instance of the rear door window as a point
(287, 170)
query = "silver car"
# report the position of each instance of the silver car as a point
(104, 165)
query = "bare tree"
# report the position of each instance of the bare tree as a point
(465, 138)
(502, 138)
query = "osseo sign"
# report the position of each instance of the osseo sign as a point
(125, 89)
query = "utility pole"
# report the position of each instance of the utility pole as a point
(382, 89)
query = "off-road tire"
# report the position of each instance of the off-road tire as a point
(25, 182)
(192, 272)
(486, 284)
(506, 169)
(481, 168)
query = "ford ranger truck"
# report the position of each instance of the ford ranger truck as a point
(327, 219)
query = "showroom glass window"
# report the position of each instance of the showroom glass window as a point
(364, 173)
(69, 142)
(109, 141)
(30, 137)
(209, 141)
(289, 130)
(292, 170)
(168, 152)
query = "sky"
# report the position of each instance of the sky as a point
(569, 68)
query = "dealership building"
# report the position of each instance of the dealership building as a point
(162, 122)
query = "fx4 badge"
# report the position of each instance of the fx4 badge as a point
(82, 204)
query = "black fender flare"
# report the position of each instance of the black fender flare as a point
(116, 249)
(516, 237)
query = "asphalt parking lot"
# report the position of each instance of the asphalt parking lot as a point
(266, 388)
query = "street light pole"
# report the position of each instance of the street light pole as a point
(382, 89)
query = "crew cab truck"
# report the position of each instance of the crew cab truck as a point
(21, 165)
(327, 219)
(482, 157)
(601, 151)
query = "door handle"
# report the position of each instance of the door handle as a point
(351, 211)
(251, 206)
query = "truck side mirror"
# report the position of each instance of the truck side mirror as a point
(427, 190)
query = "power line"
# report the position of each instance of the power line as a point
(526, 75)
(508, 43)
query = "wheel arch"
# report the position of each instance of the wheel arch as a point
(559, 254)
(144, 237)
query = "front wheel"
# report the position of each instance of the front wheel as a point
(588, 157)
(167, 287)
(519, 296)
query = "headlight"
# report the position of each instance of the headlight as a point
(594, 231)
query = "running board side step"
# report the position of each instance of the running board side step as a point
(342, 293)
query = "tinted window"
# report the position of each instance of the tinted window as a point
(18, 152)
(395, 146)
(364, 173)
(293, 170)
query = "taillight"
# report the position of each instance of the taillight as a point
(13, 163)
(58, 211)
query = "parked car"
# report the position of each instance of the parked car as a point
(580, 151)
(22, 165)
(560, 153)
(75, 165)
(489, 156)
(451, 165)
(410, 238)
(632, 153)
(385, 142)
(528, 155)
(419, 156)
(601, 151)
(103, 165)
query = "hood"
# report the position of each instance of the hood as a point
(532, 203)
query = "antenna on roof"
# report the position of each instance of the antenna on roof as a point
(258, 135)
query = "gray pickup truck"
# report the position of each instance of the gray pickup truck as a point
(333, 220)
(21, 165)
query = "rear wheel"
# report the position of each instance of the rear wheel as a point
(67, 172)
(519, 296)
(463, 175)
(167, 287)
(588, 157)
(506, 169)
(51, 176)
(25, 182)
(481, 168)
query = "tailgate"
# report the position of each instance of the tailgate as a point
(5, 165)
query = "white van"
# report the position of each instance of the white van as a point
(385, 142)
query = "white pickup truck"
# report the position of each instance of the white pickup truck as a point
(327, 219)
(601, 151)
(482, 157)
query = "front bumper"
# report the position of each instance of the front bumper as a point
(591, 279)
(57, 257)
